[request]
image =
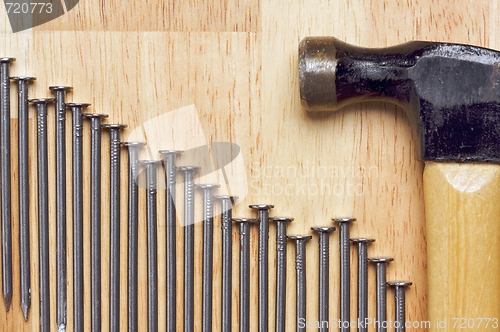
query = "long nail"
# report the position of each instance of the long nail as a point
(324, 279)
(133, 217)
(263, 265)
(5, 177)
(95, 219)
(381, 265)
(208, 255)
(244, 309)
(400, 304)
(61, 267)
(114, 224)
(227, 257)
(280, 308)
(300, 277)
(24, 203)
(77, 162)
(43, 211)
(152, 244)
(362, 282)
(168, 157)
(345, 272)
(188, 246)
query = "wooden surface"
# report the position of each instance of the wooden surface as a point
(237, 63)
(463, 240)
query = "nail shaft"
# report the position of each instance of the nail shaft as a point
(132, 250)
(188, 247)
(324, 279)
(77, 162)
(43, 212)
(5, 176)
(227, 256)
(381, 265)
(114, 223)
(170, 237)
(280, 308)
(95, 220)
(208, 253)
(244, 306)
(263, 265)
(300, 277)
(345, 273)
(61, 267)
(152, 244)
(362, 282)
(400, 304)
(24, 212)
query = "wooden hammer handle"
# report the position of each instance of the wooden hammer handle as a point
(462, 210)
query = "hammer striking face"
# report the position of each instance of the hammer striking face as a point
(451, 91)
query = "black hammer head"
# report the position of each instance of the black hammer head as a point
(451, 91)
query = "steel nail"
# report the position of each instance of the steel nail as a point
(362, 281)
(168, 157)
(244, 306)
(208, 255)
(95, 219)
(152, 241)
(400, 304)
(188, 246)
(381, 265)
(280, 308)
(24, 205)
(114, 224)
(345, 272)
(227, 257)
(61, 264)
(43, 211)
(77, 162)
(5, 177)
(300, 277)
(324, 279)
(133, 217)
(263, 265)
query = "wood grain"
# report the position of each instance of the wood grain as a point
(236, 62)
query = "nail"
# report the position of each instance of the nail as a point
(362, 282)
(280, 309)
(263, 265)
(61, 267)
(5, 177)
(244, 309)
(168, 157)
(300, 277)
(133, 217)
(345, 273)
(208, 253)
(400, 304)
(95, 219)
(188, 246)
(24, 203)
(227, 257)
(324, 279)
(43, 211)
(381, 264)
(114, 223)
(77, 162)
(152, 244)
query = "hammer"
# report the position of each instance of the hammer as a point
(451, 94)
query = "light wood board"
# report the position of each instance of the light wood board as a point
(236, 61)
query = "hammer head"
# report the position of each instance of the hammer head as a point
(450, 91)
